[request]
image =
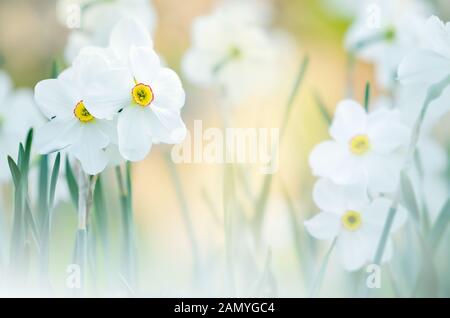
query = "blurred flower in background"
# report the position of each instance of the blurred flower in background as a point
(91, 21)
(234, 50)
(383, 32)
(18, 113)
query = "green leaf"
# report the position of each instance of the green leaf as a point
(185, 211)
(56, 68)
(72, 183)
(54, 179)
(31, 221)
(439, 227)
(100, 214)
(28, 144)
(128, 184)
(21, 157)
(322, 108)
(409, 197)
(367, 97)
(261, 203)
(43, 189)
(15, 172)
(295, 89)
(263, 197)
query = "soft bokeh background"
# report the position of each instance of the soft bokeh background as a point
(30, 39)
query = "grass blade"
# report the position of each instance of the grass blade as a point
(15, 172)
(367, 97)
(409, 197)
(322, 108)
(439, 227)
(321, 274)
(54, 179)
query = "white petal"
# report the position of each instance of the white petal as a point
(332, 160)
(334, 198)
(134, 132)
(56, 135)
(384, 172)
(110, 92)
(325, 158)
(386, 132)
(166, 126)
(126, 34)
(89, 149)
(169, 92)
(88, 65)
(377, 212)
(349, 120)
(145, 64)
(323, 226)
(437, 37)
(425, 67)
(56, 97)
(114, 156)
(352, 250)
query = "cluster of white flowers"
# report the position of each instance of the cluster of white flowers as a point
(358, 169)
(18, 113)
(118, 97)
(91, 21)
(233, 49)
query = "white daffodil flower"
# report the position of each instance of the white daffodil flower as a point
(367, 148)
(72, 127)
(384, 32)
(231, 54)
(348, 215)
(98, 19)
(431, 63)
(18, 114)
(147, 97)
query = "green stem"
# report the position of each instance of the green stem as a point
(186, 215)
(86, 185)
(128, 249)
(433, 93)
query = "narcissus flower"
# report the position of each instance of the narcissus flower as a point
(431, 63)
(72, 126)
(147, 97)
(18, 114)
(366, 148)
(233, 53)
(348, 215)
(384, 32)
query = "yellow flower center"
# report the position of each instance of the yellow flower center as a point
(351, 220)
(82, 113)
(142, 94)
(359, 145)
